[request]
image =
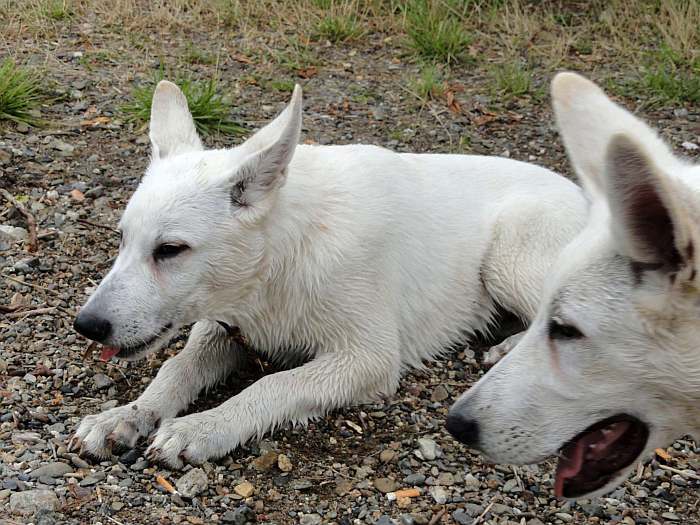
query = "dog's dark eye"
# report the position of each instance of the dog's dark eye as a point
(168, 251)
(562, 332)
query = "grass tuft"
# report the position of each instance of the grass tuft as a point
(429, 85)
(512, 80)
(339, 28)
(20, 94)
(56, 10)
(667, 77)
(435, 32)
(210, 110)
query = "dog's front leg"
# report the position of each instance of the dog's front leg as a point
(209, 356)
(331, 380)
(497, 352)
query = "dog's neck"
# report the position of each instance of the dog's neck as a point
(302, 232)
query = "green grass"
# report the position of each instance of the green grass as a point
(664, 84)
(429, 85)
(339, 28)
(667, 78)
(295, 56)
(434, 32)
(56, 10)
(20, 94)
(286, 86)
(512, 80)
(210, 110)
(196, 55)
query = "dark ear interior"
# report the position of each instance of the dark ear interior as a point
(641, 215)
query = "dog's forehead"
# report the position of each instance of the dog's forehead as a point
(183, 189)
(607, 280)
(597, 293)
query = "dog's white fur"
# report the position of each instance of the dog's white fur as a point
(359, 259)
(628, 282)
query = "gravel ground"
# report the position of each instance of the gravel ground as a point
(78, 173)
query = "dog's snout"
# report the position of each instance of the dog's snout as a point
(463, 429)
(92, 327)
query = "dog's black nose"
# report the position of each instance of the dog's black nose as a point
(92, 327)
(464, 430)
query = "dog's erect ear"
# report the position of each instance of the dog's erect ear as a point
(650, 223)
(267, 155)
(587, 120)
(172, 129)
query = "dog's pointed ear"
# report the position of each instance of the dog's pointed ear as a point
(587, 120)
(267, 155)
(650, 221)
(172, 129)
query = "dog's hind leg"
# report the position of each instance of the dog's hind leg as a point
(208, 357)
(357, 372)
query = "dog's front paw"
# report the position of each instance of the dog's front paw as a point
(496, 353)
(191, 439)
(123, 426)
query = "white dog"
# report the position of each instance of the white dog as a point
(610, 367)
(361, 260)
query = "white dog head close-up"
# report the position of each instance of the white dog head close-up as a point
(610, 367)
(191, 208)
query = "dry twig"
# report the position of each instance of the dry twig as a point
(32, 243)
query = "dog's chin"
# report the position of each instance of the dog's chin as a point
(597, 459)
(134, 352)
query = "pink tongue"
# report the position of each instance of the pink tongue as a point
(108, 352)
(570, 467)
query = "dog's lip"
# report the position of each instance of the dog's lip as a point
(109, 351)
(596, 456)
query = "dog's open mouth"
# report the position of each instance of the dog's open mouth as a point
(124, 352)
(597, 455)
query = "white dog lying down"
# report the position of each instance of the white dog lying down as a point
(362, 260)
(610, 367)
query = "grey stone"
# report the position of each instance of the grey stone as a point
(31, 501)
(14, 233)
(384, 520)
(461, 517)
(428, 449)
(473, 509)
(65, 148)
(471, 483)
(93, 480)
(102, 381)
(139, 465)
(51, 470)
(310, 519)
(439, 394)
(385, 485)
(46, 517)
(192, 483)
(79, 462)
(439, 494)
(240, 516)
(302, 484)
(416, 479)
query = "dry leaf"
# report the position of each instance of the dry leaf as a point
(452, 103)
(97, 121)
(483, 119)
(238, 57)
(307, 72)
(357, 428)
(165, 484)
(662, 454)
(77, 195)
